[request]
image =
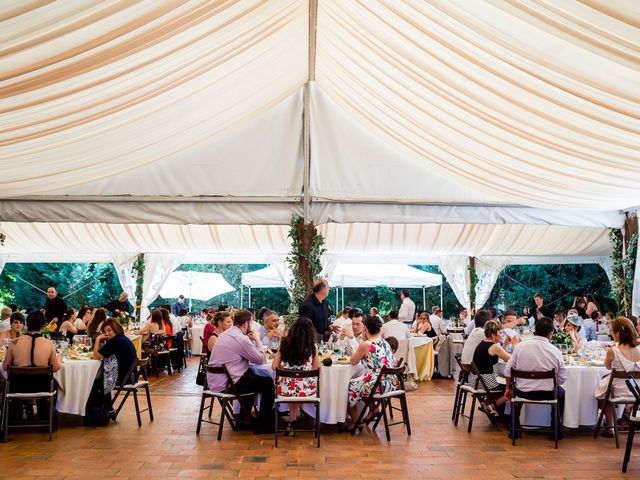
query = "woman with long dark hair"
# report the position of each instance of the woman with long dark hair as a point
(297, 352)
(66, 325)
(155, 324)
(95, 326)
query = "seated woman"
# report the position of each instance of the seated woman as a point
(221, 322)
(32, 349)
(66, 325)
(17, 325)
(95, 325)
(374, 353)
(623, 357)
(83, 320)
(486, 355)
(423, 325)
(208, 330)
(113, 342)
(571, 327)
(297, 352)
(154, 325)
(168, 325)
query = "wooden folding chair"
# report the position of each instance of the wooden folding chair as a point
(313, 400)
(615, 401)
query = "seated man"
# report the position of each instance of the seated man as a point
(436, 322)
(236, 348)
(511, 336)
(269, 330)
(537, 355)
(350, 337)
(394, 328)
(345, 320)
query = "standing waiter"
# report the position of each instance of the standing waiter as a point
(316, 307)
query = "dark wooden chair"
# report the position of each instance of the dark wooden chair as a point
(609, 399)
(131, 385)
(313, 400)
(553, 402)
(634, 421)
(16, 391)
(225, 399)
(378, 401)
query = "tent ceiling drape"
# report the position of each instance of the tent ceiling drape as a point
(491, 128)
(489, 103)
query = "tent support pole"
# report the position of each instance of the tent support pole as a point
(337, 304)
(441, 300)
(249, 297)
(424, 299)
(342, 298)
(241, 295)
(306, 122)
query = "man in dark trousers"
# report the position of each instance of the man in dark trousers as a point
(316, 307)
(55, 306)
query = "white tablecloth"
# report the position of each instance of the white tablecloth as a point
(334, 389)
(75, 379)
(580, 405)
(196, 344)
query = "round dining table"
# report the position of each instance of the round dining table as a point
(334, 389)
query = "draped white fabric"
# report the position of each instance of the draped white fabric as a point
(123, 263)
(3, 261)
(487, 269)
(157, 268)
(534, 103)
(455, 269)
(489, 102)
(345, 243)
(91, 90)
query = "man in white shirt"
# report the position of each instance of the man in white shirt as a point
(351, 336)
(407, 309)
(537, 355)
(476, 336)
(345, 319)
(394, 328)
(436, 322)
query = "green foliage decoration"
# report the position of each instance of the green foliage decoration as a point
(473, 283)
(619, 286)
(138, 267)
(307, 247)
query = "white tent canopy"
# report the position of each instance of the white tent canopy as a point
(151, 112)
(388, 275)
(267, 277)
(180, 130)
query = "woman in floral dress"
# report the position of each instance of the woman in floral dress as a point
(374, 353)
(297, 352)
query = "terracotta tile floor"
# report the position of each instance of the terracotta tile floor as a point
(169, 448)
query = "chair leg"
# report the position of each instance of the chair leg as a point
(5, 419)
(221, 419)
(455, 403)
(599, 422)
(390, 408)
(615, 424)
(405, 413)
(513, 423)
(556, 423)
(275, 433)
(318, 423)
(146, 388)
(211, 407)
(383, 406)
(51, 413)
(137, 407)
(473, 408)
(460, 407)
(627, 451)
(124, 399)
(200, 413)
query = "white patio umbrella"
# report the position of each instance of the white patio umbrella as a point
(195, 285)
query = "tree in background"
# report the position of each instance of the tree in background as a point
(515, 287)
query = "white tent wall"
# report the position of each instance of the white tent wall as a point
(157, 268)
(123, 264)
(455, 268)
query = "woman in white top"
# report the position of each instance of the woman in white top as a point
(626, 357)
(84, 318)
(66, 327)
(571, 327)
